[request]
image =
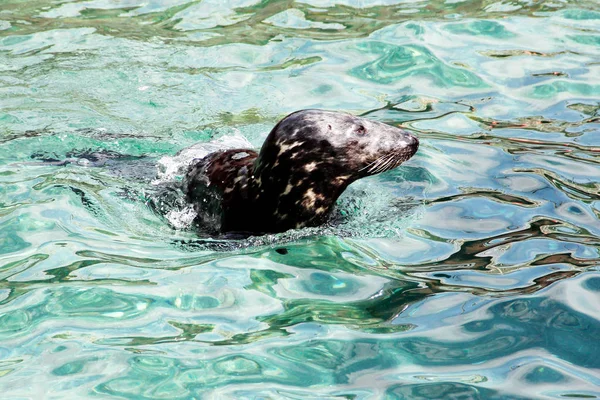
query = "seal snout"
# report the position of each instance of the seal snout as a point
(412, 145)
(405, 144)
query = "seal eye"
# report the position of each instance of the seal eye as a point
(361, 130)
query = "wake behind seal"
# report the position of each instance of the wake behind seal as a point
(304, 165)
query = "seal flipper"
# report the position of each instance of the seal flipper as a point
(139, 168)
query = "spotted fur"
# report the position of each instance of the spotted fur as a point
(306, 162)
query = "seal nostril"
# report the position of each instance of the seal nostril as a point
(414, 141)
(414, 145)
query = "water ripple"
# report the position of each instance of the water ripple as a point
(471, 271)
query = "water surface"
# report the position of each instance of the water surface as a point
(469, 272)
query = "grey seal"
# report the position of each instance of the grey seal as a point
(306, 162)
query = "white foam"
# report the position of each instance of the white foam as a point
(181, 219)
(173, 168)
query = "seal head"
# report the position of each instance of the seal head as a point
(305, 164)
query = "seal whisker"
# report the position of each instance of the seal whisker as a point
(395, 161)
(375, 167)
(381, 161)
(399, 159)
(386, 165)
(391, 163)
(378, 162)
(383, 166)
(369, 166)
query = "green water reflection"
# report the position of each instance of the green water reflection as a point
(469, 272)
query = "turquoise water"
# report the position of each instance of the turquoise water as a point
(469, 272)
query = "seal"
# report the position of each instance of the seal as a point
(304, 165)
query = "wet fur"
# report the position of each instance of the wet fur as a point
(306, 162)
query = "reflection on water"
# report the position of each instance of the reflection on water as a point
(469, 272)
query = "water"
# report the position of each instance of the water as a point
(470, 272)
